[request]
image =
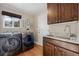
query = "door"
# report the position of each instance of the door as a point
(66, 12)
(75, 11)
(52, 13)
(47, 49)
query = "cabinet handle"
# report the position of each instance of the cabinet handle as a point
(55, 47)
(56, 21)
(47, 43)
(59, 21)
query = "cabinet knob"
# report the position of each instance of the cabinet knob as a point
(59, 21)
(56, 21)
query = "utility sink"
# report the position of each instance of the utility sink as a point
(61, 37)
(72, 39)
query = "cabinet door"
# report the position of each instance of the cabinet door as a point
(47, 49)
(58, 52)
(52, 13)
(63, 52)
(66, 12)
(75, 11)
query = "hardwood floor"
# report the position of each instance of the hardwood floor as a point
(36, 51)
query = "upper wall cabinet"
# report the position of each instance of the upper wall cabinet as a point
(52, 13)
(68, 12)
(64, 12)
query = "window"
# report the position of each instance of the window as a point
(10, 22)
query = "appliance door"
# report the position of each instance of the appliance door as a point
(28, 41)
(10, 45)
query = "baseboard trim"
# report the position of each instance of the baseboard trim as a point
(38, 43)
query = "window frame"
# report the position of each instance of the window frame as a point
(12, 23)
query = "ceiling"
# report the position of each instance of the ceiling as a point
(31, 8)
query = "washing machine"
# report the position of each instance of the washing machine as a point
(10, 45)
(28, 42)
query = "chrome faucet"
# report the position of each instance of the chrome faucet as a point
(69, 28)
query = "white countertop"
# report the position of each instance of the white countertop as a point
(63, 39)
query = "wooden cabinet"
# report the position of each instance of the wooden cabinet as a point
(52, 13)
(51, 48)
(62, 12)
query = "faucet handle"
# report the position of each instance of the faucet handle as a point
(73, 35)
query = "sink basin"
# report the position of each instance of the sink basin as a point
(63, 37)
(59, 37)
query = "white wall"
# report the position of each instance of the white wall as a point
(58, 29)
(78, 31)
(78, 25)
(41, 27)
(23, 20)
